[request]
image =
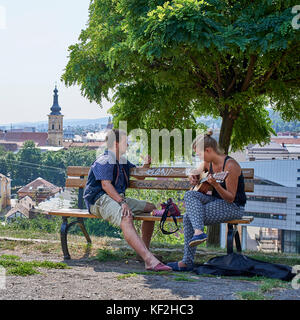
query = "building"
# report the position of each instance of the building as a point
(89, 145)
(39, 190)
(5, 192)
(18, 138)
(55, 123)
(275, 203)
(280, 147)
(23, 209)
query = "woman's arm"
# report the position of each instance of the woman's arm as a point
(231, 181)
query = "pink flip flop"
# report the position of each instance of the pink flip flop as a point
(160, 267)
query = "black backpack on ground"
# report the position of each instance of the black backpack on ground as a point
(235, 264)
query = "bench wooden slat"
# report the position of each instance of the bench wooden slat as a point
(77, 213)
(152, 172)
(249, 186)
(75, 183)
(78, 171)
(160, 184)
(244, 220)
(151, 184)
(159, 172)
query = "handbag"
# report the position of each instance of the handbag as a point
(170, 209)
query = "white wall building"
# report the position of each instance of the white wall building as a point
(275, 202)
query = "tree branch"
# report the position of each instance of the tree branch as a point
(269, 74)
(250, 71)
(208, 76)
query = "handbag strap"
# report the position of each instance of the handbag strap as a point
(163, 220)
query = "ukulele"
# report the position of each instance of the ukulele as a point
(218, 176)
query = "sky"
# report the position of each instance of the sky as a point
(34, 40)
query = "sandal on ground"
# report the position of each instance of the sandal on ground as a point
(160, 267)
(175, 267)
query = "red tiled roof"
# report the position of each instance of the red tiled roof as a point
(40, 138)
(286, 140)
(39, 182)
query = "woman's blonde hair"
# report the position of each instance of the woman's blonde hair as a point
(207, 141)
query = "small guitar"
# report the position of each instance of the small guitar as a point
(218, 176)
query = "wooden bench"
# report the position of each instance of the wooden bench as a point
(174, 179)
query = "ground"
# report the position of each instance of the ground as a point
(121, 276)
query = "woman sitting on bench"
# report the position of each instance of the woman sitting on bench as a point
(226, 202)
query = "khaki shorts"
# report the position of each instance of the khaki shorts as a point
(108, 209)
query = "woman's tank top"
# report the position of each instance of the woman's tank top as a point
(240, 197)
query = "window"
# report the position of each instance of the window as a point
(53, 127)
(298, 197)
(297, 213)
(298, 179)
(298, 170)
(298, 222)
(266, 215)
(298, 205)
(266, 199)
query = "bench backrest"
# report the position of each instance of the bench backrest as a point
(164, 178)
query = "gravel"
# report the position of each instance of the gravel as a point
(94, 280)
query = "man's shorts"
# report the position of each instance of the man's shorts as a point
(108, 209)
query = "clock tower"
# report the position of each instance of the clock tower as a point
(55, 124)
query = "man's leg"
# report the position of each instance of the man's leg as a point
(136, 242)
(148, 226)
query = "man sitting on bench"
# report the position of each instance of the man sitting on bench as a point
(104, 196)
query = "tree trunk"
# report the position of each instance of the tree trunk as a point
(224, 143)
(226, 131)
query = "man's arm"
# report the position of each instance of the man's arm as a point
(147, 163)
(112, 192)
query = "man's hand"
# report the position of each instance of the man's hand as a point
(147, 161)
(126, 212)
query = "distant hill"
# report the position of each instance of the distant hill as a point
(67, 122)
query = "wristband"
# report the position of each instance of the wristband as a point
(122, 202)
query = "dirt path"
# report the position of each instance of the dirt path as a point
(87, 280)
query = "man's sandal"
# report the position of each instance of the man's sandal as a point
(160, 267)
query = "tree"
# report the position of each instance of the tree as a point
(29, 161)
(168, 62)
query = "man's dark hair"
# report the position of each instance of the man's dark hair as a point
(114, 135)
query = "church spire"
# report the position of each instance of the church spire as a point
(55, 110)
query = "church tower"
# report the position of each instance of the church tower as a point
(55, 127)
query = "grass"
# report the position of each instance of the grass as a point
(184, 278)
(14, 265)
(250, 295)
(105, 255)
(127, 275)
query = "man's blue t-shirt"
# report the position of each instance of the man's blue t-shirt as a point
(106, 167)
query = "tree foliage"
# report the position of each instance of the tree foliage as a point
(168, 62)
